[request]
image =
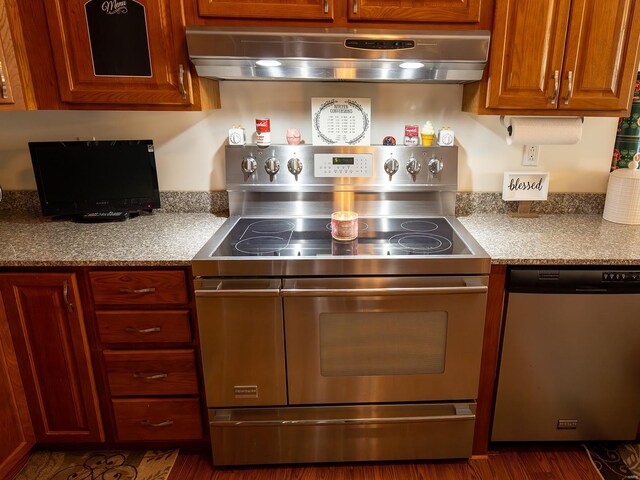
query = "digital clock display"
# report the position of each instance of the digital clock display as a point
(343, 160)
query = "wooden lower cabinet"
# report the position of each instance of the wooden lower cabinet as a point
(15, 424)
(46, 320)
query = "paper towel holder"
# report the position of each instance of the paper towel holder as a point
(509, 128)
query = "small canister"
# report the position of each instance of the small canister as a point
(411, 137)
(263, 130)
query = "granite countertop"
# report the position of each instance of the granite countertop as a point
(172, 239)
(555, 239)
(161, 239)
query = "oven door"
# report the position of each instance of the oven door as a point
(381, 339)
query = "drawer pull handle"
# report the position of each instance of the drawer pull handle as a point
(569, 87)
(147, 423)
(556, 87)
(150, 376)
(138, 290)
(142, 330)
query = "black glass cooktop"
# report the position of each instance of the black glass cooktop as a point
(311, 237)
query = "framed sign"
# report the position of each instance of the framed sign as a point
(341, 121)
(525, 186)
(118, 36)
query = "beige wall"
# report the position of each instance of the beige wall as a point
(190, 146)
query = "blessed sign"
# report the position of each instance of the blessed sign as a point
(525, 186)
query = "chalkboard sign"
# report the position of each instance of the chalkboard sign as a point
(118, 36)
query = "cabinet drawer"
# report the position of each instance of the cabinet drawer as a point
(143, 326)
(157, 419)
(153, 372)
(139, 287)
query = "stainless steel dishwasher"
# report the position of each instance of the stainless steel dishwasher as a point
(570, 356)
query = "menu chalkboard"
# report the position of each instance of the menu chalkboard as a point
(118, 36)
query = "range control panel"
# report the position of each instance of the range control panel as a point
(330, 165)
(621, 277)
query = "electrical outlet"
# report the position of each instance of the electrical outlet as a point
(530, 156)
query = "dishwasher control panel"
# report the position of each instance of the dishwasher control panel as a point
(621, 277)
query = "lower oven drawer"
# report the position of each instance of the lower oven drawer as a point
(165, 419)
(341, 433)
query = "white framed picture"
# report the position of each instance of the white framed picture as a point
(341, 121)
(525, 186)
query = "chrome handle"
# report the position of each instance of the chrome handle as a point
(147, 423)
(569, 88)
(339, 421)
(150, 376)
(326, 6)
(138, 290)
(250, 292)
(3, 82)
(556, 87)
(354, 292)
(183, 91)
(355, 6)
(65, 295)
(142, 330)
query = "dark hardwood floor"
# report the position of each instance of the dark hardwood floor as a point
(512, 463)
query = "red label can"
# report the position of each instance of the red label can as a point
(263, 130)
(411, 135)
(263, 125)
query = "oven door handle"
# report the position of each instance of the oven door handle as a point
(239, 288)
(356, 292)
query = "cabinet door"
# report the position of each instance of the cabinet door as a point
(11, 89)
(120, 52)
(526, 53)
(275, 9)
(17, 432)
(601, 55)
(431, 11)
(46, 321)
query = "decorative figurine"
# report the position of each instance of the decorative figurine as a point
(389, 140)
(293, 136)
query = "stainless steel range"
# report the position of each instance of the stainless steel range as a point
(317, 350)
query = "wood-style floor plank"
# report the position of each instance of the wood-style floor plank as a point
(507, 463)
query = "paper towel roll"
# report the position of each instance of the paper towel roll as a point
(544, 131)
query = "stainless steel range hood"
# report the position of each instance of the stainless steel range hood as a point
(323, 54)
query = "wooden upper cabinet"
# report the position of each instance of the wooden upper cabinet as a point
(526, 56)
(120, 52)
(14, 75)
(560, 57)
(46, 321)
(600, 55)
(429, 11)
(273, 9)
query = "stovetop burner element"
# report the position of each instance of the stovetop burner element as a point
(311, 237)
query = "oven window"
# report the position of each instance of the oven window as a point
(362, 344)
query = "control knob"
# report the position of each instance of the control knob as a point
(435, 166)
(272, 166)
(248, 165)
(391, 167)
(413, 167)
(295, 166)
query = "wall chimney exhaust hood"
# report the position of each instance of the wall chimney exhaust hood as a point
(323, 54)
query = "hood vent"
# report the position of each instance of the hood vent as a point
(322, 54)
